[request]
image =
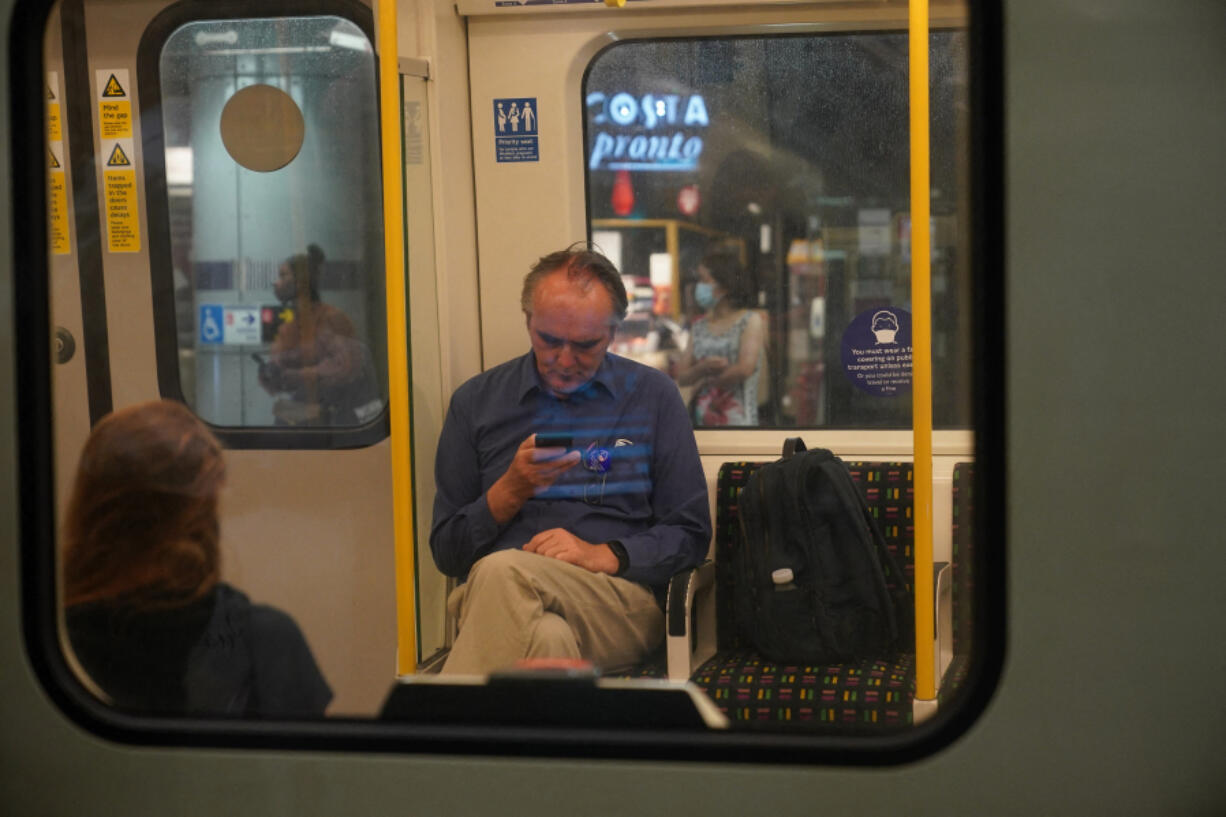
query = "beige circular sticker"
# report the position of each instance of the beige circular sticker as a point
(262, 128)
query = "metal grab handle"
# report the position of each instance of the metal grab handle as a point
(65, 345)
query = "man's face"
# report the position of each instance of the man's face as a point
(571, 326)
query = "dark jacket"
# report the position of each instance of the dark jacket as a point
(219, 655)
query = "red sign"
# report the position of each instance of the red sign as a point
(623, 194)
(688, 200)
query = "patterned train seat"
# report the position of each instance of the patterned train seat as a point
(871, 695)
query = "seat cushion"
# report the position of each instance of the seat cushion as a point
(869, 695)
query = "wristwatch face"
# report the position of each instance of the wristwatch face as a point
(623, 558)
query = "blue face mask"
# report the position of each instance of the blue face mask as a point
(704, 294)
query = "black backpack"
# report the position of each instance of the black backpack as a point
(809, 585)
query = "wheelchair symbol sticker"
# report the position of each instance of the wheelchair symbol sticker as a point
(211, 323)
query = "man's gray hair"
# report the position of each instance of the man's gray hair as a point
(579, 261)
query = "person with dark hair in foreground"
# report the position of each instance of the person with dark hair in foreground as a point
(148, 618)
(569, 487)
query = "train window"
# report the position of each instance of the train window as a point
(266, 226)
(248, 597)
(752, 191)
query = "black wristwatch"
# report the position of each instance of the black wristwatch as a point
(623, 558)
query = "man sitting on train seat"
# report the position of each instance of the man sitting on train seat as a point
(569, 487)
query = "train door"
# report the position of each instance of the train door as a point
(218, 240)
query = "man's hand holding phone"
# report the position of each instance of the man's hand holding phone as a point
(538, 462)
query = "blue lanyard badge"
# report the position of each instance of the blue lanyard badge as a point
(597, 460)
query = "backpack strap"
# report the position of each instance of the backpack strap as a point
(792, 445)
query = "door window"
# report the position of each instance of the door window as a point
(271, 253)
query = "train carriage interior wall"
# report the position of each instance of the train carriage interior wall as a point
(252, 248)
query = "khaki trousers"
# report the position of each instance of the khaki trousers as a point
(517, 605)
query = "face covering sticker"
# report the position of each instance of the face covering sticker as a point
(877, 351)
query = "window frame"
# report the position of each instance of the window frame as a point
(165, 322)
(37, 517)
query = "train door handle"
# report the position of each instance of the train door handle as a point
(65, 345)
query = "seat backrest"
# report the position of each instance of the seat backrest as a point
(887, 487)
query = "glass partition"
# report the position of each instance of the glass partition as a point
(755, 193)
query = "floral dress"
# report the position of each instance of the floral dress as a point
(735, 405)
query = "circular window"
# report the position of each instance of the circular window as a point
(262, 128)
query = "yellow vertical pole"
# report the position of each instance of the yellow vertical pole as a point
(921, 351)
(397, 337)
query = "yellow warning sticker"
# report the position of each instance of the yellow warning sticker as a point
(57, 213)
(115, 119)
(54, 128)
(122, 220)
(114, 104)
(119, 192)
(57, 187)
(118, 158)
(54, 132)
(113, 88)
(57, 201)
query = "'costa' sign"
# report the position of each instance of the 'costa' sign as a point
(648, 132)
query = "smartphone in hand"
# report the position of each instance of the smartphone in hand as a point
(553, 439)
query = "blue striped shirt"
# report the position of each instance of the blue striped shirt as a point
(652, 498)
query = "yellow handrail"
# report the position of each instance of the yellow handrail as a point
(921, 351)
(397, 338)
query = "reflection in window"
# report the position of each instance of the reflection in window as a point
(787, 155)
(272, 172)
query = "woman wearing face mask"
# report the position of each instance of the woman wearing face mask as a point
(724, 355)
